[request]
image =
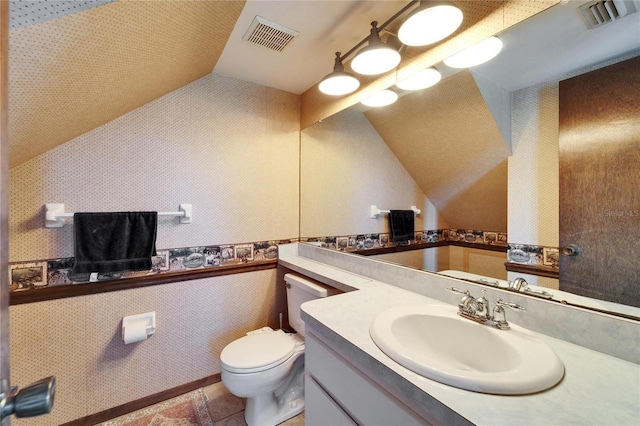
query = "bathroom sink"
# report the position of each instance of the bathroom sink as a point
(434, 342)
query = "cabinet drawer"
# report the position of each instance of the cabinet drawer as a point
(363, 400)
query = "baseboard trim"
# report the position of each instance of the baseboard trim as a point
(141, 403)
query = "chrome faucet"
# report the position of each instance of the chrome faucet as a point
(483, 306)
(477, 309)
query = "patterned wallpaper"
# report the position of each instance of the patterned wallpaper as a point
(229, 148)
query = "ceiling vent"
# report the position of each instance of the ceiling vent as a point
(269, 34)
(598, 13)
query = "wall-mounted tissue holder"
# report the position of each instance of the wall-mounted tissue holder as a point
(55, 215)
(136, 328)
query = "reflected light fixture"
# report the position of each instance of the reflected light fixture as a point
(382, 98)
(477, 54)
(430, 22)
(421, 80)
(376, 58)
(338, 82)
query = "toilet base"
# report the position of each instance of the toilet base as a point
(261, 411)
(286, 401)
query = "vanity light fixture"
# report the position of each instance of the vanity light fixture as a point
(339, 82)
(421, 80)
(438, 18)
(477, 54)
(376, 58)
(430, 22)
(382, 98)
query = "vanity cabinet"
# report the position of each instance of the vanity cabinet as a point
(337, 393)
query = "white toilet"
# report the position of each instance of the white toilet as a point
(267, 366)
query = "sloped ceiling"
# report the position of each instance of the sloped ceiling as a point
(78, 64)
(450, 144)
(77, 72)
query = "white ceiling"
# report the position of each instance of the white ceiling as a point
(547, 45)
(325, 27)
(556, 42)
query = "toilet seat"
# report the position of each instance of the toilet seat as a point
(257, 352)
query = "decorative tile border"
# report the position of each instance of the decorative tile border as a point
(375, 241)
(24, 276)
(32, 275)
(534, 256)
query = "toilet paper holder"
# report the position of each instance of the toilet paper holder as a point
(146, 320)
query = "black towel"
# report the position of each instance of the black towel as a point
(401, 225)
(114, 242)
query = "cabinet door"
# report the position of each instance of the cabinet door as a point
(366, 402)
(322, 410)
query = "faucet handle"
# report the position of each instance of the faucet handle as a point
(499, 317)
(513, 306)
(468, 303)
(457, 290)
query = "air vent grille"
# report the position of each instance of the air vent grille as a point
(597, 13)
(269, 34)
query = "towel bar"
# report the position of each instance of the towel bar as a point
(55, 214)
(375, 211)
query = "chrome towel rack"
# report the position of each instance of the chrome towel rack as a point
(55, 215)
(375, 211)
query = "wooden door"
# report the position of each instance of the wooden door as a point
(600, 183)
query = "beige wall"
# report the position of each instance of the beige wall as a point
(228, 147)
(475, 261)
(412, 258)
(345, 168)
(481, 262)
(78, 340)
(533, 172)
(533, 167)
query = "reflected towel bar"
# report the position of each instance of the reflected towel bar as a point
(375, 211)
(55, 215)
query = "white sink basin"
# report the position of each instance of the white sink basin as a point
(433, 341)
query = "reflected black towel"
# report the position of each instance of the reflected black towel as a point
(114, 242)
(401, 224)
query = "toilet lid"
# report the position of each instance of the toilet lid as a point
(257, 352)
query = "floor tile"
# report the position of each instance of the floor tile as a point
(221, 403)
(233, 420)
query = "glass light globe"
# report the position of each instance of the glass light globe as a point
(430, 23)
(477, 54)
(377, 58)
(338, 83)
(421, 80)
(382, 98)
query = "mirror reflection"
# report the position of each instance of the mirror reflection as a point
(477, 154)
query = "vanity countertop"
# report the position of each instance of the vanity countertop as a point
(597, 389)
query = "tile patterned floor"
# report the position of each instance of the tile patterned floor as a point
(227, 409)
(222, 407)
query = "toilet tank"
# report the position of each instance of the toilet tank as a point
(300, 290)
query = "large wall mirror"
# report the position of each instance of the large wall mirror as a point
(476, 152)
